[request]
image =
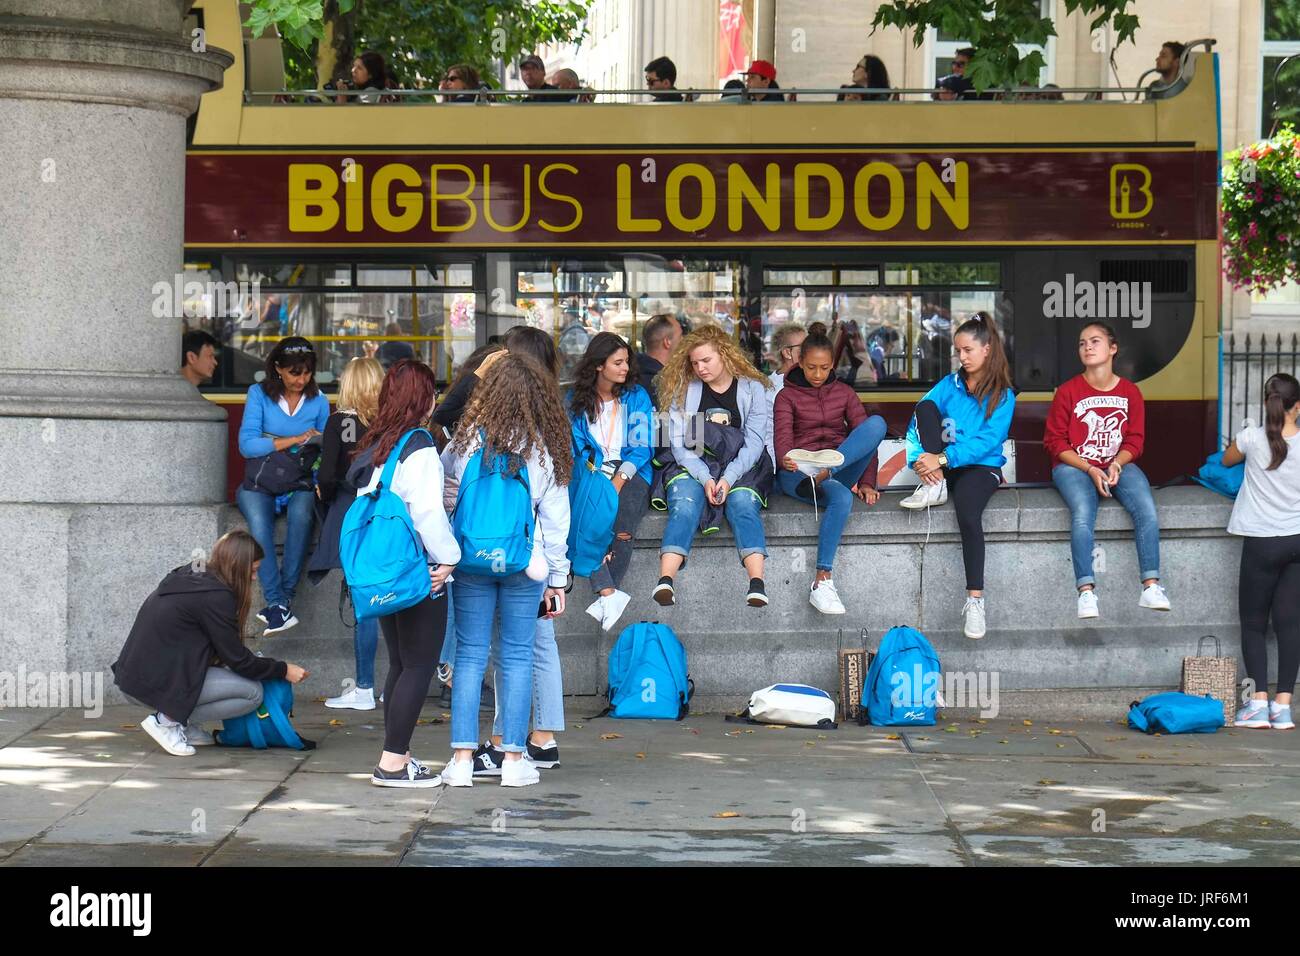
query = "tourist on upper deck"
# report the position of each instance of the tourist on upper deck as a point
(1169, 63)
(461, 81)
(851, 93)
(566, 80)
(956, 85)
(369, 73)
(533, 72)
(871, 73)
(760, 81)
(661, 76)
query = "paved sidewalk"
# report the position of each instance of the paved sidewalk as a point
(78, 791)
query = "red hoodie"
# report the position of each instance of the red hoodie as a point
(1095, 425)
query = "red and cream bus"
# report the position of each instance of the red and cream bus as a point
(428, 227)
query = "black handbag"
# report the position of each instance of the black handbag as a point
(282, 471)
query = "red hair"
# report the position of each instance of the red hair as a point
(405, 400)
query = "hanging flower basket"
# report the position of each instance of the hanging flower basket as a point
(1261, 213)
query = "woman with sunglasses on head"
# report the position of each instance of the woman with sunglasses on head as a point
(284, 411)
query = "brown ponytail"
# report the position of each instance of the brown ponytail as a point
(1281, 392)
(995, 381)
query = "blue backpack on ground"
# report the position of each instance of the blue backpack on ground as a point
(493, 522)
(903, 681)
(647, 674)
(1218, 477)
(269, 725)
(1176, 713)
(593, 506)
(382, 555)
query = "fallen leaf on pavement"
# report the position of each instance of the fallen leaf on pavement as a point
(128, 726)
(775, 726)
(640, 756)
(336, 722)
(731, 733)
(726, 814)
(1054, 732)
(892, 737)
(810, 743)
(1048, 783)
(1028, 723)
(1004, 741)
(611, 736)
(950, 730)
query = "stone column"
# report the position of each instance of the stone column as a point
(111, 465)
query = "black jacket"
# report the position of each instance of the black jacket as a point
(721, 444)
(187, 621)
(336, 492)
(646, 370)
(448, 411)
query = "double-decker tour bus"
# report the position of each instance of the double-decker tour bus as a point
(423, 228)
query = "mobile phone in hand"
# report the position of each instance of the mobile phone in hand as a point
(548, 606)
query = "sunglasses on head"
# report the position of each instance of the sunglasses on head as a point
(297, 349)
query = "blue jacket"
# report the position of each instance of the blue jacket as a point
(978, 439)
(754, 400)
(638, 442)
(263, 417)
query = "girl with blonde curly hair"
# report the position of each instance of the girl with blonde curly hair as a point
(714, 395)
(515, 411)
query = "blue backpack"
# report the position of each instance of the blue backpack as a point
(902, 682)
(647, 674)
(493, 521)
(1218, 477)
(1175, 713)
(269, 725)
(593, 506)
(382, 555)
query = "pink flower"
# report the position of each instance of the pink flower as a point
(1253, 230)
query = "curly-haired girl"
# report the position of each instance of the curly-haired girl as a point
(708, 383)
(516, 411)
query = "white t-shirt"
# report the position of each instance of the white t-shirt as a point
(608, 430)
(1268, 505)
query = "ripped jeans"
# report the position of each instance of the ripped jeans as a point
(633, 501)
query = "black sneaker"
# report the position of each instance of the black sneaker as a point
(543, 757)
(757, 596)
(263, 614)
(279, 618)
(414, 774)
(488, 760)
(663, 592)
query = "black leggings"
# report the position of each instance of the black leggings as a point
(1270, 582)
(970, 488)
(414, 641)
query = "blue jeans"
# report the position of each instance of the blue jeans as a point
(834, 494)
(478, 600)
(279, 582)
(686, 504)
(365, 642)
(548, 687)
(1134, 493)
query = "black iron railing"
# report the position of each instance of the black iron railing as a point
(1247, 365)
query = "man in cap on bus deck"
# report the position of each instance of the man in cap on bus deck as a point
(533, 72)
(760, 80)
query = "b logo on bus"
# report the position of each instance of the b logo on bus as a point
(1127, 180)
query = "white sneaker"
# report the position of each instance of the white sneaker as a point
(196, 736)
(170, 739)
(519, 773)
(926, 496)
(1088, 604)
(1154, 597)
(825, 598)
(458, 773)
(597, 609)
(358, 698)
(811, 463)
(615, 604)
(973, 624)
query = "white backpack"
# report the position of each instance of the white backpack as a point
(796, 705)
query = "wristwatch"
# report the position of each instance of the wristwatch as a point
(943, 459)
